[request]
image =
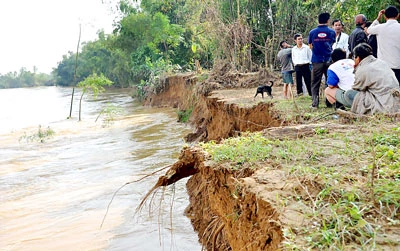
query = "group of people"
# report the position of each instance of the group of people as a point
(362, 70)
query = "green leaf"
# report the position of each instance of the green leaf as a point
(194, 48)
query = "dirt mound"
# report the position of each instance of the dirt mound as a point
(224, 76)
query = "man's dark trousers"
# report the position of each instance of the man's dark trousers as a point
(303, 71)
(318, 69)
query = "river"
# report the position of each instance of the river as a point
(54, 194)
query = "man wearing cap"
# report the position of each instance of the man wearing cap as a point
(358, 35)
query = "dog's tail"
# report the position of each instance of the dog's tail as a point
(272, 83)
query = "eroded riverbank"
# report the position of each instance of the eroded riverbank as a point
(314, 184)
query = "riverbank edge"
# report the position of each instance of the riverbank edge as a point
(266, 206)
(224, 213)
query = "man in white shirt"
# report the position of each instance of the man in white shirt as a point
(342, 39)
(301, 57)
(388, 36)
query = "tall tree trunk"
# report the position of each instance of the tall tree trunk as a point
(80, 105)
(266, 52)
(76, 65)
(273, 35)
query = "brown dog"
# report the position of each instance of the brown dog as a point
(265, 88)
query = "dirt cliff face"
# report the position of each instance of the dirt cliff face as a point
(226, 215)
(285, 201)
(216, 120)
(177, 91)
(212, 118)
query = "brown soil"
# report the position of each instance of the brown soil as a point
(227, 215)
(236, 209)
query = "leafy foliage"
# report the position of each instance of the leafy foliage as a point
(95, 84)
(183, 116)
(40, 136)
(160, 36)
(109, 112)
(24, 78)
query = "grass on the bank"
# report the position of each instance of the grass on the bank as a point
(184, 115)
(298, 110)
(250, 148)
(356, 173)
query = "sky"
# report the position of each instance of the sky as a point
(39, 32)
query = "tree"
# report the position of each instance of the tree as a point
(95, 84)
(162, 35)
(64, 72)
(24, 78)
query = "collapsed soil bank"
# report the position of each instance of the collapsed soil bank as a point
(269, 207)
(212, 118)
(226, 215)
(229, 216)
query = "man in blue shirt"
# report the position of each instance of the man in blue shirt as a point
(320, 41)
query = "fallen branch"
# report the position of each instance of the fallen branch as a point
(351, 115)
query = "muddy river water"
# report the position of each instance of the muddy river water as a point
(54, 194)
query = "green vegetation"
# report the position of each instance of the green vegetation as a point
(170, 36)
(158, 37)
(24, 78)
(109, 112)
(250, 148)
(95, 84)
(299, 111)
(346, 182)
(40, 136)
(184, 115)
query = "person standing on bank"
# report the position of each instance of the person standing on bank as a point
(342, 39)
(284, 57)
(320, 41)
(301, 57)
(358, 35)
(388, 37)
(372, 41)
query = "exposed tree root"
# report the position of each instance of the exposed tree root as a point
(215, 235)
(212, 231)
(128, 183)
(186, 166)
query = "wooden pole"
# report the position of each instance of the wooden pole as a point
(76, 65)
